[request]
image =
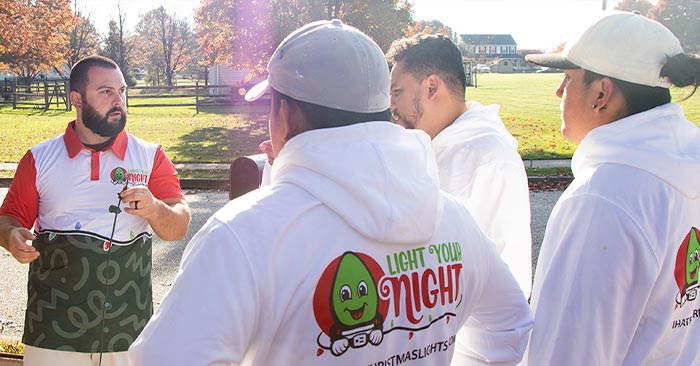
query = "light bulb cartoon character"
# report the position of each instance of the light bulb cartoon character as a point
(687, 270)
(354, 306)
(118, 175)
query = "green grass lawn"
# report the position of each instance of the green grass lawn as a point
(529, 109)
(216, 134)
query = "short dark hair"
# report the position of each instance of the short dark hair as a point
(424, 55)
(79, 72)
(317, 116)
(681, 70)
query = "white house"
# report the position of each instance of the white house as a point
(499, 51)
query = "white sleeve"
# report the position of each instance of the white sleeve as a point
(497, 330)
(265, 180)
(498, 197)
(209, 315)
(594, 275)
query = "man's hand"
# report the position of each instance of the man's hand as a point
(19, 248)
(266, 147)
(169, 218)
(140, 202)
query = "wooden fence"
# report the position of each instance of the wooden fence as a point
(189, 95)
(44, 94)
(49, 94)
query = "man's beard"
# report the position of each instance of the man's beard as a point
(99, 124)
(410, 123)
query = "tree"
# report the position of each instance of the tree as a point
(34, 34)
(238, 33)
(642, 6)
(682, 17)
(430, 27)
(167, 42)
(384, 21)
(244, 33)
(119, 45)
(84, 41)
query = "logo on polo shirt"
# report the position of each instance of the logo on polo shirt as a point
(118, 175)
(135, 177)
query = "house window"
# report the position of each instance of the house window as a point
(505, 63)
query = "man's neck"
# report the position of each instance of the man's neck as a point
(102, 146)
(444, 117)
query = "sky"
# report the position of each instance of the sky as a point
(534, 24)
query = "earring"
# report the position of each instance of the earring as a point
(595, 106)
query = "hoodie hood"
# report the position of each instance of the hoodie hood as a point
(476, 122)
(659, 141)
(378, 177)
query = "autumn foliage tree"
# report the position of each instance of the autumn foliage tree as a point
(383, 21)
(682, 17)
(34, 35)
(429, 27)
(244, 33)
(236, 32)
(642, 6)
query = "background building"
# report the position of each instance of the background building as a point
(498, 51)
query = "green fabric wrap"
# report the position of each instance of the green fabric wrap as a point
(80, 295)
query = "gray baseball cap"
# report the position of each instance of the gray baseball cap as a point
(330, 64)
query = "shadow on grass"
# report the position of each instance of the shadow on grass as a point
(219, 144)
(35, 111)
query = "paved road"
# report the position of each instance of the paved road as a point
(166, 256)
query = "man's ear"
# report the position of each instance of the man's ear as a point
(433, 83)
(76, 99)
(606, 88)
(291, 118)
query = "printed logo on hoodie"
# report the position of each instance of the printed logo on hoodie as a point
(687, 269)
(357, 302)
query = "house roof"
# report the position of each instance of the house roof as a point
(488, 39)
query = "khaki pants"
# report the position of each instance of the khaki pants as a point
(34, 356)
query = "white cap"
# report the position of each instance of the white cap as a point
(622, 45)
(331, 64)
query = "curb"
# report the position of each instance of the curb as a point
(552, 179)
(11, 359)
(223, 184)
(260, 158)
(206, 184)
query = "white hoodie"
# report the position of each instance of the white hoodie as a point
(478, 162)
(613, 284)
(352, 256)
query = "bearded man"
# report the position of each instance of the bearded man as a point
(89, 285)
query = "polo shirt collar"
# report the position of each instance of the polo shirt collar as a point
(74, 145)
